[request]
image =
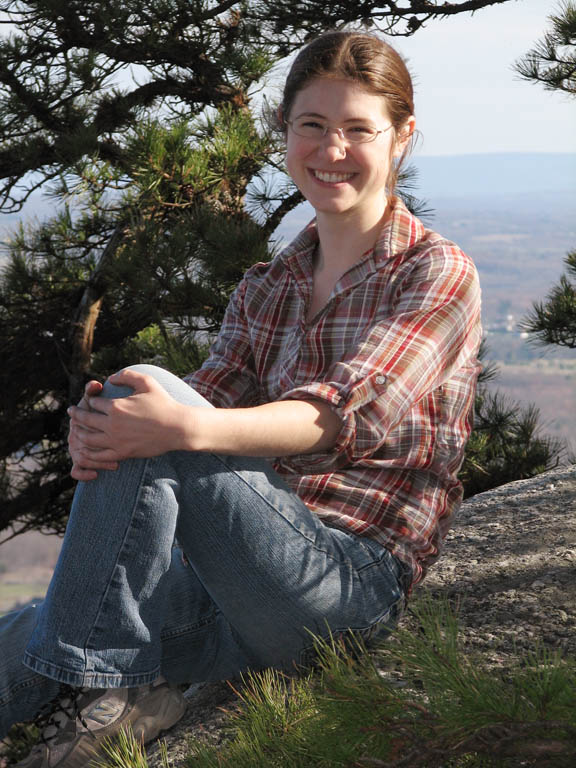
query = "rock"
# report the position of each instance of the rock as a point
(527, 570)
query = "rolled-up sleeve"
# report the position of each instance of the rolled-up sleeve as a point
(431, 331)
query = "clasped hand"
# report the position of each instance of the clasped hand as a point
(105, 431)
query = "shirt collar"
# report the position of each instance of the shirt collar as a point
(400, 233)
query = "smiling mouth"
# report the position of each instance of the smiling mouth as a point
(332, 178)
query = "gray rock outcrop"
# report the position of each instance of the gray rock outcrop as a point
(510, 560)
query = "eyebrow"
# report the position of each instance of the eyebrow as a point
(348, 120)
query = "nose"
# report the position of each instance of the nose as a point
(333, 143)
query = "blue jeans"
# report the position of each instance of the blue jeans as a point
(260, 574)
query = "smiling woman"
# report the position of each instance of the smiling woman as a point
(367, 65)
(308, 470)
(348, 119)
(336, 174)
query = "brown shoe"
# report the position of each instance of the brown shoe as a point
(81, 719)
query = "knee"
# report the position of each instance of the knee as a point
(175, 386)
(113, 390)
(155, 371)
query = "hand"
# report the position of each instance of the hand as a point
(144, 424)
(84, 468)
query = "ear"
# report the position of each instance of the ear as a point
(404, 136)
(280, 115)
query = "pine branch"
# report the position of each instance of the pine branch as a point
(288, 204)
(552, 62)
(218, 10)
(39, 110)
(394, 17)
(553, 321)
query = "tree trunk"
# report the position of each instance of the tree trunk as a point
(86, 317)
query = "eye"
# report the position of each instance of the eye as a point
(360, 131)
(310, 124)
(310, 127)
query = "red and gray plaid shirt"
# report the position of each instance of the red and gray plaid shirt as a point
(394, 353)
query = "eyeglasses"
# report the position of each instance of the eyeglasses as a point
(316, 128)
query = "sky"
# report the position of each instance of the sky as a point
(468, 98)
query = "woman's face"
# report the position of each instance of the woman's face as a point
(339, 177)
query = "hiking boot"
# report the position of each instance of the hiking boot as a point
(79, 720)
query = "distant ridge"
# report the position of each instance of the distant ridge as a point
(451, 176)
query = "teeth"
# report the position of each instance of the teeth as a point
(332, 178)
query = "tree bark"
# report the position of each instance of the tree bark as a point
(86, 317)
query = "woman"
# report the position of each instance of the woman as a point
(320, 486)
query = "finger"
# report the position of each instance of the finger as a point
(97, 459)
(80, 417)
(101, 404)
(96, 443)
(93, 388)
(75, 439)
(139, 382)
(83, 475)
(87, 461)
(90, 440)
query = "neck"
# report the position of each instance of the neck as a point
(343, 239)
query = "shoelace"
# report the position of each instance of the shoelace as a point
(62, 709)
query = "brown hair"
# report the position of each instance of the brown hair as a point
(365, 59)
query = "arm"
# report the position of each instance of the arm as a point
(150, 422)
(273, 429)
(429, 330)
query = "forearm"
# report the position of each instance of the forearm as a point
(282, 428)
(149, 422)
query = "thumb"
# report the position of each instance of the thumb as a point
(92, 388)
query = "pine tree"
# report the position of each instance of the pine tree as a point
(507, 442)
(553, 321)
(552, 63)
(138, 118)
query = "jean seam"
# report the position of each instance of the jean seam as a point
(79, 679)
(188, 628)
(127, 532)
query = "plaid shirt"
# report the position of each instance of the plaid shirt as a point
(393, 352)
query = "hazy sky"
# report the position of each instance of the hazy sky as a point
(468, 98)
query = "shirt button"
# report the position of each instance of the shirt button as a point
(381, 379)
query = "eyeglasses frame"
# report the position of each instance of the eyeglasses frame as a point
(338, 130)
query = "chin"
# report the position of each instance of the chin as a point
(330, 206)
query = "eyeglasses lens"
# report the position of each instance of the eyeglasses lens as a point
(356, 133)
